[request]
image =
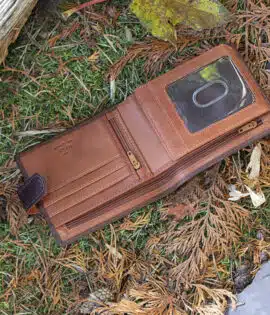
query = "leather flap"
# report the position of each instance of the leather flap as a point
(32, 191)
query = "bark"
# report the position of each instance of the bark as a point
(13, 15)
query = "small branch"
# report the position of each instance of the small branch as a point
(69, 12)
(30, 133)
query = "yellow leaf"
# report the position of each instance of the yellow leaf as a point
(161, 16)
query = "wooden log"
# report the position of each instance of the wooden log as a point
(13, 15)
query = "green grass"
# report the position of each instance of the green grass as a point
(38, 97)
(77, 92)
(41, 97)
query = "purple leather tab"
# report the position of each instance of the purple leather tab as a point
(32, 191)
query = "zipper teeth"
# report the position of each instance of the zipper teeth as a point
(120, 135)
(128, 148)
(183, 162)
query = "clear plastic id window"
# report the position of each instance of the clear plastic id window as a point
(210, 94)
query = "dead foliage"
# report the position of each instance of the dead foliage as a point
(141, 285)
(213, 231)
(155, 53)
(265, 164)
(64, 34)
(201, 256)
(134, 286)
(89, 26)
(140, 222)
(148, 298)
(180, 272)
(75, 8)
(194, 190)
(41, 284)
(183, 202)
(250, 33)
(11, 208)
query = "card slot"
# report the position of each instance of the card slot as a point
(80, 174)
(73, 154)
(90, 205)
(74, 204)
(84, 181)
(86, 218)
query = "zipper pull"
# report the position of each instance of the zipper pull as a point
(135, 163)
(252, 125)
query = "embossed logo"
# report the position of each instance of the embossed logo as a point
(64, 147)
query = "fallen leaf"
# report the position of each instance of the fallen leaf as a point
(161, 17)
(254, 165)
(235, 194)
(257, 198)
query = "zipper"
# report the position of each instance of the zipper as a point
(253, 124)
(125, 144)
(181, 164)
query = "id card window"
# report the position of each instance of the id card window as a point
(210, 94)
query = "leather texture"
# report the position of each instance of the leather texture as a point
(32, 191)
(136, 153)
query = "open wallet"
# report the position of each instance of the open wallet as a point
(169, 130)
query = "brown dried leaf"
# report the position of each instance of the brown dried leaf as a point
(16, 215)
(215, 228)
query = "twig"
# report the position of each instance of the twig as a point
(30, 133)
(69, 12)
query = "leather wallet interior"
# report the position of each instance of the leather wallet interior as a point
(166, 132)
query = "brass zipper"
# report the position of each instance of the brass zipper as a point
(130, 154)
(135, 163)
(252, 125)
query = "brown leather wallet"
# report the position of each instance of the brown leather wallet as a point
(166, 132)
